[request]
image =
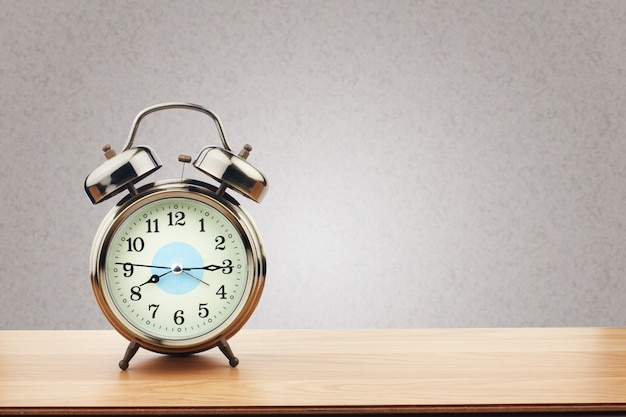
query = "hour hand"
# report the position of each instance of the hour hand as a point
(154, 279)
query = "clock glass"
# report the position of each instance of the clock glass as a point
(176, 267)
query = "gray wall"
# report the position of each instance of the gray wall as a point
(432, 163)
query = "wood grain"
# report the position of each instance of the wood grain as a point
(339, 371)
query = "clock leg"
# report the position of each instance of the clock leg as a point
(130, 352)
(228, 352)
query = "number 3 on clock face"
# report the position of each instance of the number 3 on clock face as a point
(177, 269)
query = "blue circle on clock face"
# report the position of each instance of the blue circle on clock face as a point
(174, 256)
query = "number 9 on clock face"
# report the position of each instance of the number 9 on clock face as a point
(178, 268)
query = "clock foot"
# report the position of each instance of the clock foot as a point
(228, 352)
(130, 352)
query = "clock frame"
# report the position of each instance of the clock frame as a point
(175, 265)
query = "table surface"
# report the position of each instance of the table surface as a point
(321, 371)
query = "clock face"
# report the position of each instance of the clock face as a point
(175, 267)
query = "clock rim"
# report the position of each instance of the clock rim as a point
(204, 193)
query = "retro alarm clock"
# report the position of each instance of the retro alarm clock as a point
(177, 266)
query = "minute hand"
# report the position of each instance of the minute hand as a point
(227, 267)
(146, 266)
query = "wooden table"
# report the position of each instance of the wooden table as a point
(321, 372)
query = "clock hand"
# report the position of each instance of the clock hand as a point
(146, 266)
(227, 268)
(196, 278)
(154, 279)
(208, 268)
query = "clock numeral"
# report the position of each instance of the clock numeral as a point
(221, 292)
(228, 266)
(176, 219)
(203, 311)
(220, 243)
(135, 245)
(201, 225)
(153, 226)
(128, 269)
(178, 317)
(155, 307)
(135, 293)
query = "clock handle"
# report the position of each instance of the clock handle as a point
(174, 105)
(121, 171)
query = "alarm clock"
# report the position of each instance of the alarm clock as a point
(177, 265)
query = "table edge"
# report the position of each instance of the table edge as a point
(518, 409)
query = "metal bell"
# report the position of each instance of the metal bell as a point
(120, 172)
(233, 171)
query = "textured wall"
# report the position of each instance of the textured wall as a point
(432, 163)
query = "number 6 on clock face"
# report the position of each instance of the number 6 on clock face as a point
(179, 269)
